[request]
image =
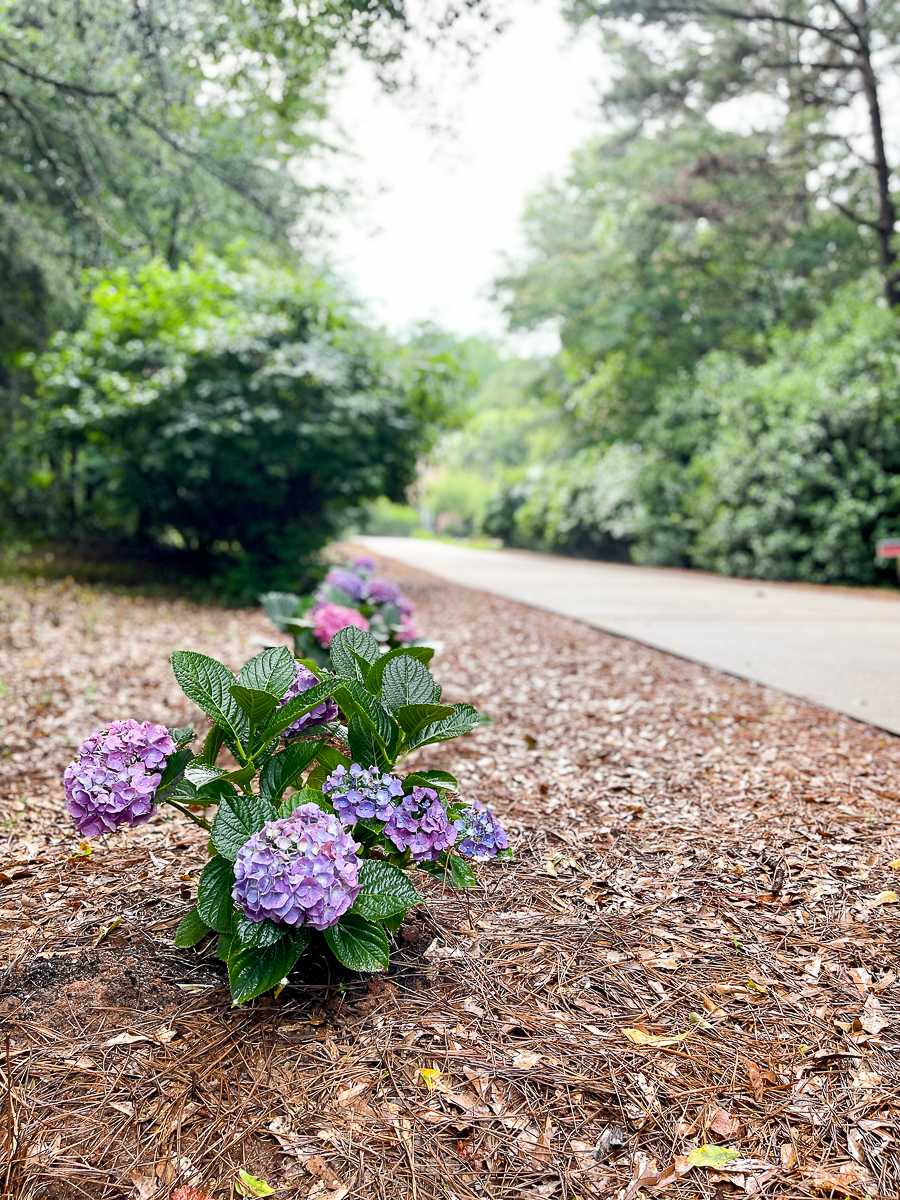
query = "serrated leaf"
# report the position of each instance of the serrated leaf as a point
(258, 933)
(280, 607)
(413, 717)
(346, 645)
(252, 971)
(405, 681)
(214, 902)
(212, 744)
(182, 735)
(294, 710)
(271, 671)
(306, 795)
(359, 944)
(175, 768)
(191, 930)
(711, 1156)
(384, 891)
(463, 720)
(460, 874)
(355, 700)
(207, 683)
(424, 654)
(237, 818)
(442, 779)
(283, 770)
(256, 704)
(365, 745)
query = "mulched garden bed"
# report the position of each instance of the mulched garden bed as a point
(701, 862)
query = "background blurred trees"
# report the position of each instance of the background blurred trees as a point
(234, 411)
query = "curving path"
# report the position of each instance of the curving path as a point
(838, 646)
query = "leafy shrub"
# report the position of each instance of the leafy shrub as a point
(332, 857)
(803, 473)
(236, 412)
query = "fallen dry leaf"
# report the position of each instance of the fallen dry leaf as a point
(642, 1038)
(725, 1125)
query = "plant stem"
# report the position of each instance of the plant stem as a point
(192, 816)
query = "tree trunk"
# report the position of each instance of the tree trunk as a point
(887, 209)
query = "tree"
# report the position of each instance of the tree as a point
(236, 412)
(129, 131)
(657, 249)
(817, 57)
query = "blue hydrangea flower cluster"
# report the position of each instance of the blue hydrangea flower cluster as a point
(114, 779)
(420, 824)
(362, 792)
(348, 581)
(299, 870)
(480, 834)
(320, 715)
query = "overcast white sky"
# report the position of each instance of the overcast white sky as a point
(442, 210)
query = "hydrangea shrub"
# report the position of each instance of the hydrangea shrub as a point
(317, 831)
(351, 594)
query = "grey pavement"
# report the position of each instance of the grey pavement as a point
(838, 646)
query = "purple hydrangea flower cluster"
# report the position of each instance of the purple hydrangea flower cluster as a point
(362, 792)
(348, 581)
(114, 779)
(363, 563)
(420, 824)
(299, 870)
(320, 715)
(480, 833)
(382, 591)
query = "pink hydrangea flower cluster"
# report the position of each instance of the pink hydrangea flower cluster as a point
(115, 777)
(329, 618)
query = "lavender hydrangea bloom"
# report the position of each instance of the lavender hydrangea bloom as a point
(382, 591)
(362, 792)
(480, 833)
(114, 779)
(299, 870)
(404, 604)
(420, 824)
(320, 715)
(363, 563)
(348, 581)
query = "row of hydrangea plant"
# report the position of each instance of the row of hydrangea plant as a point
(316, 831)
(351, 594)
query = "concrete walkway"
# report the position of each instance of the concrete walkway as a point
(837, 646)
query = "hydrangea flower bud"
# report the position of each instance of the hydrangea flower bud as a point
(382, 591)
(114, 779)
(298, 870)
(420, 824)
(348, 581)
(329, 618)
(481, 835)
(320, 715)
(362, 792)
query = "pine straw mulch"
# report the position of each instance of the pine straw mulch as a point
(697, 858)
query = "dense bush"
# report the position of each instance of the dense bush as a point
(236, 412)
(788, 469)
(803, 474)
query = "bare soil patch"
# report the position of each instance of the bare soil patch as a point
(697, 858)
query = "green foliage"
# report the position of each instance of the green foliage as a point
(656, 250)
(236, 412)
(803, 472)
(383, 720)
